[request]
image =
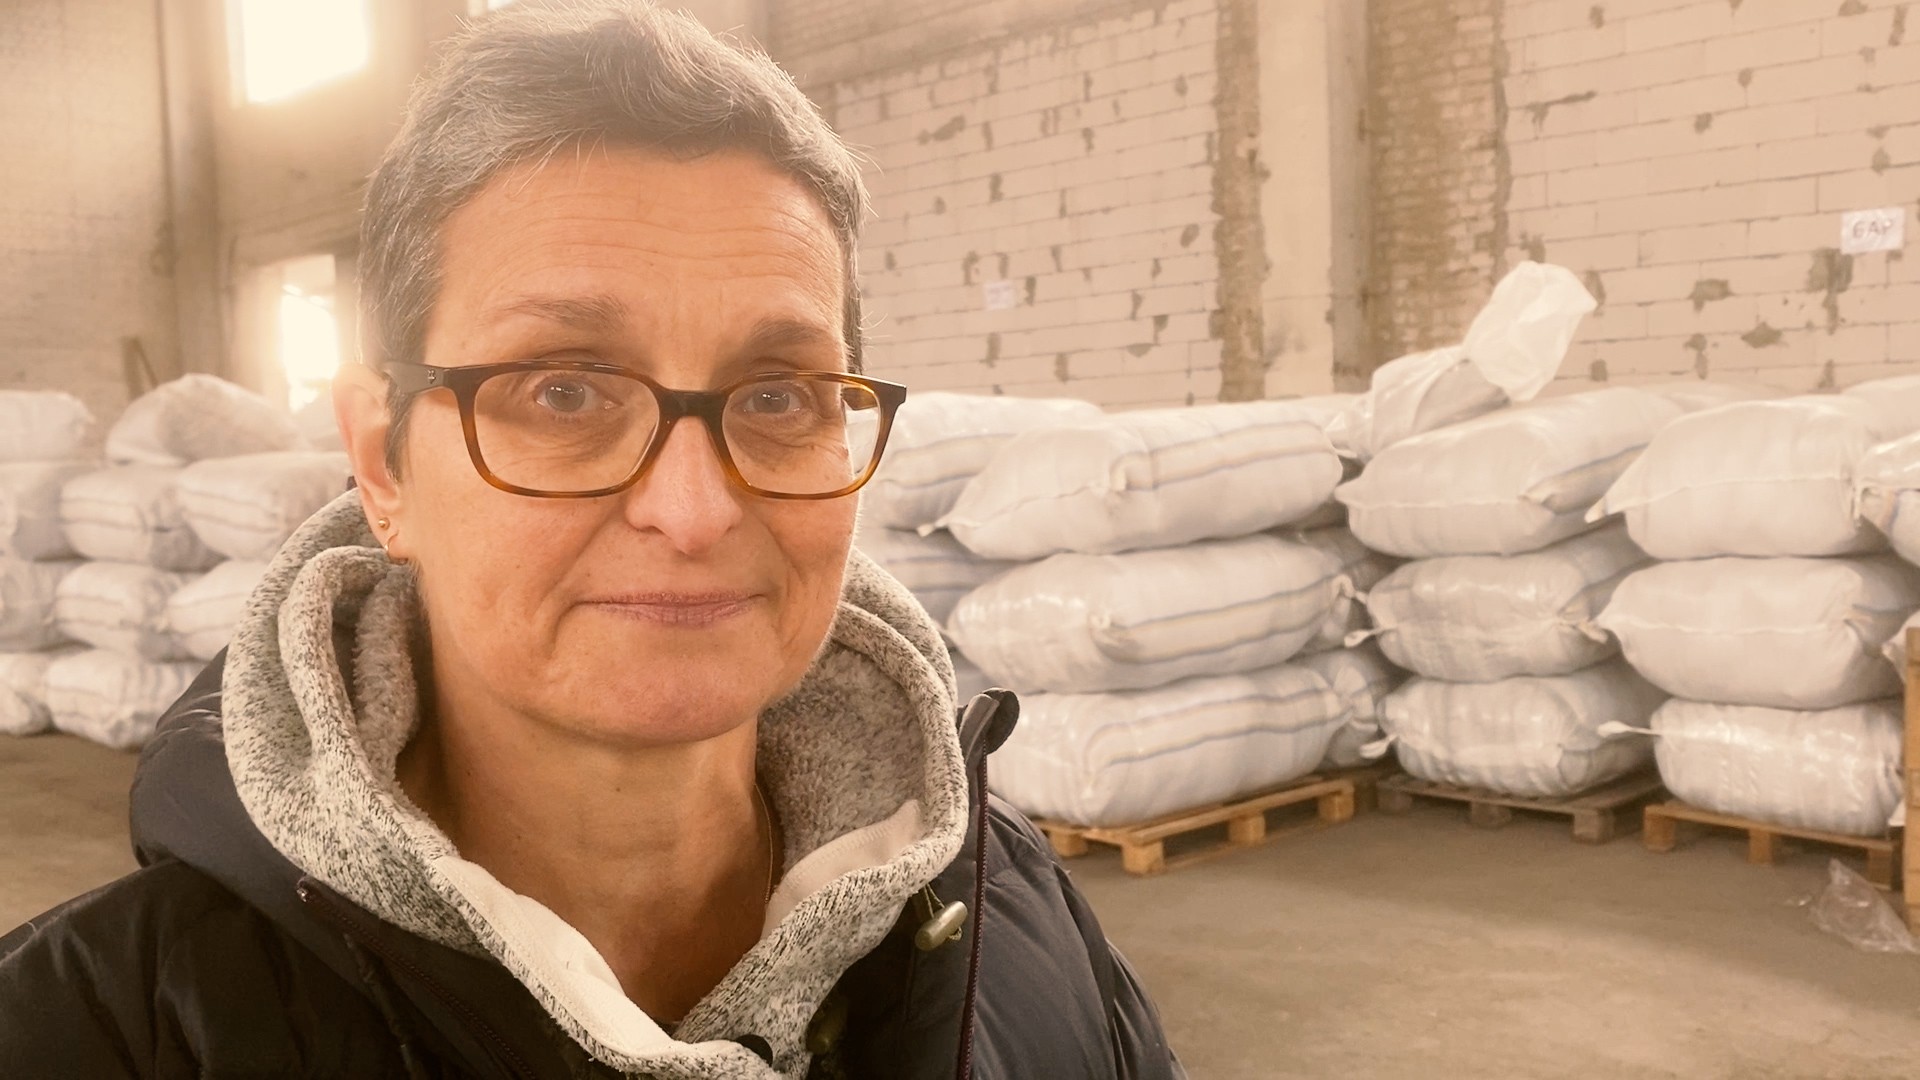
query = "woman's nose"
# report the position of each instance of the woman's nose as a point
(685, 495)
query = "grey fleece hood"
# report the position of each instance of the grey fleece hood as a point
(861, 762)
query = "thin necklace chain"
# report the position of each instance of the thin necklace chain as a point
(766, 815)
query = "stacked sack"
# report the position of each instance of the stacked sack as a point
(1512, 350)
(1154, 618)
(1495, 614)
(1339, 652)
(938, 443)
(1485, 490)
(243, 508)
(200, 472)
(1887, 496)
(45, 441)
(1766, 620)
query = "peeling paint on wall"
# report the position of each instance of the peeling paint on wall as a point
(1239, 238)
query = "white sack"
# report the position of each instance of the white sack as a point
(245, 507)
(1323, 409)
(113, 699)
(27, 592)
(935, 568)
(202, 613)
(1759, 478)
(1481, 618)
(1519, 339)
(1895, 648)
(196, 417)
(1411, 395)
(131, 513)
(42, 425)
(30, 508)
(1512, 350)
(1363, 568)
(1887, 493)
(1836, 770)
(1505, 483)
(1696, 395)
(1529, 737)
(1363, 679)
(1125, 758)
(1148, 479)
(1893, 404)
(1788, 633)
(23, 691)
(1085, 623)
(941, 440)
(122, 607)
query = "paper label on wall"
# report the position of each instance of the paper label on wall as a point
(999, 295)
(1862, 231)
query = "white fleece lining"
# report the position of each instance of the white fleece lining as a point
(559, 958)
(567, 966)
(874, 845)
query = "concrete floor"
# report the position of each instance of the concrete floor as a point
(1385, 948)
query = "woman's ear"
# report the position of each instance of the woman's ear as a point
(360, 410)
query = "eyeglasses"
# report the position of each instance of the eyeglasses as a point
(572, 429)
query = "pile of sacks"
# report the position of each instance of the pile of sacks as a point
(1160, 585)
(938, 443)
(1886, 485)
(1485, 490)
(46, 439)
(1515, 682)
(1183, 616)
(120, 581)
(1767, 615)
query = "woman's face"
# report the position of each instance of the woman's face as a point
(683, 606)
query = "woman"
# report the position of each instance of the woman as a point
(575, 741)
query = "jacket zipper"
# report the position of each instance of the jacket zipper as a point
(349, 925)
(965, 1069)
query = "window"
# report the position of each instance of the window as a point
(289, 46)
(307, 334)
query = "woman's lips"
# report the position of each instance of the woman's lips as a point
(677, 609)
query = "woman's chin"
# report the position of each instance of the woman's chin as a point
(689, 703)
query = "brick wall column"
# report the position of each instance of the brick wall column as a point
(1313, 199)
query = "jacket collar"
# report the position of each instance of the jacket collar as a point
(320, 698)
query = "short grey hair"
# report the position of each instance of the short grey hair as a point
(535, 78)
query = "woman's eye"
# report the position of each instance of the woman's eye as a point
(563, 396)
(772, 400)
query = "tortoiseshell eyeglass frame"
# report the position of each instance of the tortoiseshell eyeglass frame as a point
(707, 406)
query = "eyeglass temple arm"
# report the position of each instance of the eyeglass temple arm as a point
(412, 378)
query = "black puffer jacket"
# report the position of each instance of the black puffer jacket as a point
(218, 959)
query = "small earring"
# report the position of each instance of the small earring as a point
(383, 524)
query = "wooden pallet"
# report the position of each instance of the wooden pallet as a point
(1366, 782)
(1763, 838)
(1597, 814)
(1143, 847)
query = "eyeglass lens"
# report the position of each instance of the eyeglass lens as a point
(577, 431)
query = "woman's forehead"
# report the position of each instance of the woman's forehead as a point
(632, 244)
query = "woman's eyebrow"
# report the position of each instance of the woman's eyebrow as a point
(593, 314)
(778, 333)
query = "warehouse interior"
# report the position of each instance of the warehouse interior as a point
(1531, 700)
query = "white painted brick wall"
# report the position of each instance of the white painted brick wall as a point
(1074, 163)
(1694, 156)
(82, 192)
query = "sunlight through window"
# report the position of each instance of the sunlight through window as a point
(289, 46)
(308, 338)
